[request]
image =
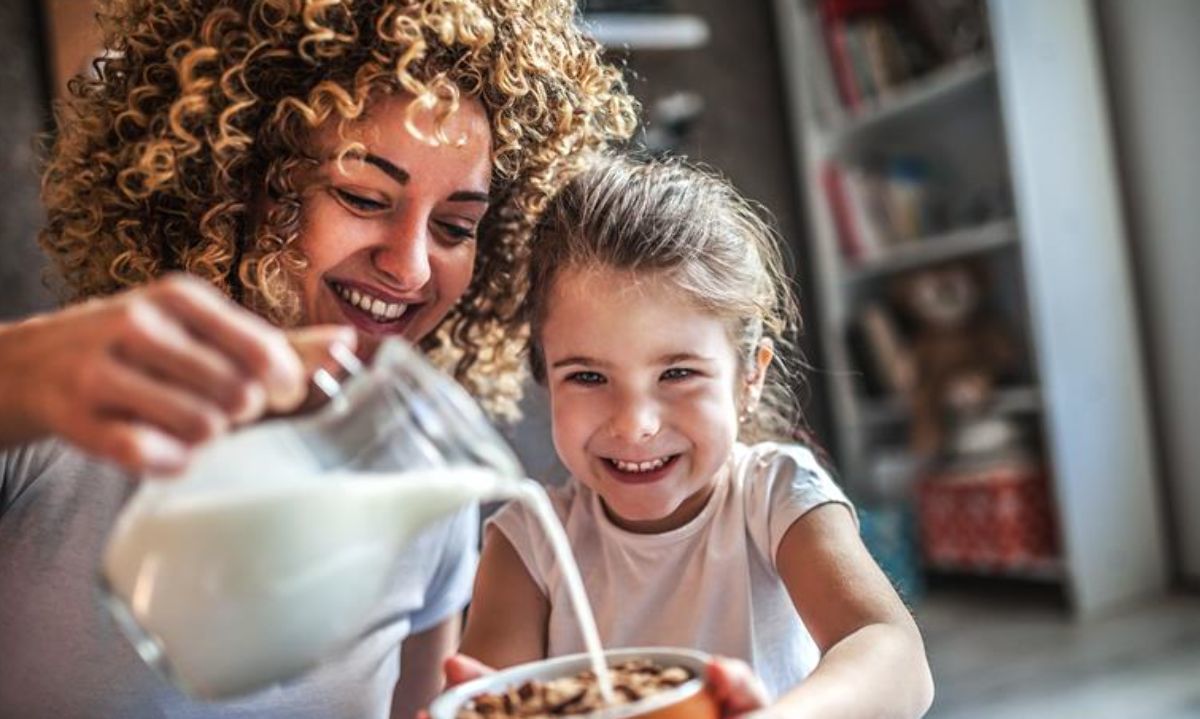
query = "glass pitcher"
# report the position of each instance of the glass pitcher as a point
(268, 554)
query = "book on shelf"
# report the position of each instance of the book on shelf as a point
(892, 359)
(835, 195)
(872, 48)
(876, 210)
(875, 47)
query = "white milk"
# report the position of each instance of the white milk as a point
(534, 496)
(243, 588)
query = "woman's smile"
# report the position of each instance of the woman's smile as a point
(372, 310)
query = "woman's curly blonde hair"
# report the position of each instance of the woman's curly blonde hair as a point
(202, 109)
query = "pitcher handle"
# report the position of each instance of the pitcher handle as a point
(324, 379)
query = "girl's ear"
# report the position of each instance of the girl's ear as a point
(757, 373)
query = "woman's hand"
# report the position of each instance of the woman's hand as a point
(143, 377)
(735, 686)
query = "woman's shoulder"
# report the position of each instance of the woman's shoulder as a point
(25, 467)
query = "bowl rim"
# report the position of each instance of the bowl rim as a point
(446, 705)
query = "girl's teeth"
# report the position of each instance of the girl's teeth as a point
(639, 466)
(379, 309)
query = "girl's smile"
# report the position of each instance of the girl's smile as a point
(644, 472)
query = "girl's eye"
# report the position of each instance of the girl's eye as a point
(359, 202)
(676, 374)
(457, 234)
(585, 377)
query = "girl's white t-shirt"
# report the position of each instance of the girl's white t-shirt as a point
(711, 584)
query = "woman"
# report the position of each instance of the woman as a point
(371, 164)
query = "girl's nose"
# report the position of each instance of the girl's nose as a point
(636, 420)
(404, 255)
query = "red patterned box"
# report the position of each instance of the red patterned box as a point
(989, 518)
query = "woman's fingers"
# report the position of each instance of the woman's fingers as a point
(259, 349)
(315, 345)
(136, 446)
(189, 417)
(162, 348)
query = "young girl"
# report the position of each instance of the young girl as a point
(658, 308)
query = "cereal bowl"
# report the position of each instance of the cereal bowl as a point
(687, 700)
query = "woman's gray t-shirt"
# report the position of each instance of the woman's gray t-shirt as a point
(62, 656)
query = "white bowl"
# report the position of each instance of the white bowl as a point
(689, 700)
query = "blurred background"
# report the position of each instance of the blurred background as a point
(991, 213)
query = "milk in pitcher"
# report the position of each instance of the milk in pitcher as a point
(236, 590)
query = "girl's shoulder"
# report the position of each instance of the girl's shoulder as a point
(766, 462)
(780, 483)
(517, 520)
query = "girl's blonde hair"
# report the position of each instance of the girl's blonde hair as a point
(201, 113)
(691, 227)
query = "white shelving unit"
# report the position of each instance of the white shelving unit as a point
(1031, 114)
(956, 244)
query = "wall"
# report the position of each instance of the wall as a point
(22, 91)
(1152, 54)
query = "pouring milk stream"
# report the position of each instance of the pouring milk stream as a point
(268, 555)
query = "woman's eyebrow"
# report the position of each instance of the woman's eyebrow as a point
(387, 167)
(401, 176)
(470, 196)
(398, 174)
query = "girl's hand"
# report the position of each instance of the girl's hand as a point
(143, 377)
(735, 686)
(460, 668)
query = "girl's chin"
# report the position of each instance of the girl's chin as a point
(639, 516)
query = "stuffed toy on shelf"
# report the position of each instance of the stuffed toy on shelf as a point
(960, 350)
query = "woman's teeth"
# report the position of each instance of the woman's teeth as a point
(649, 466)
(380, 310)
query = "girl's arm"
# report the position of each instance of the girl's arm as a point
(421, 657)
(506, 623)
(872, 658)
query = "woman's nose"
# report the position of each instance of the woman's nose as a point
(636, 419)
(404, 253)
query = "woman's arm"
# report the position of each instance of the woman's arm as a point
(506, 623)
(421, 658)
(873, 660)
(142, 377)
